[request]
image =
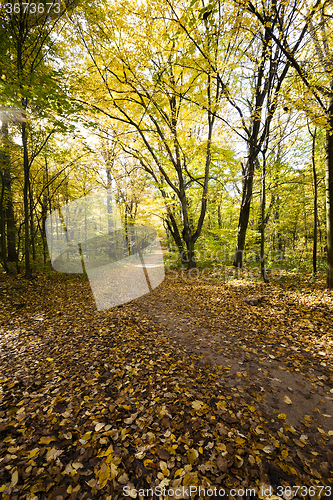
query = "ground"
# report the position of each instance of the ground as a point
(186, 386)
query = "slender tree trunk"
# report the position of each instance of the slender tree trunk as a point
(315, 205)
(262, 225)
(2, 227)
(43, 220)
(126, 231)
(244, 211)
(9, 209)
(31, 210)
(187, 233)
(277, 223)
(45, 203)
(329, 193)
(173, 228)
(219, 218)
(11, 228)
(26, 201)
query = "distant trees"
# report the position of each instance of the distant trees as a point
(33, 104)
(315, 25)
(209, 103)
(153, 80)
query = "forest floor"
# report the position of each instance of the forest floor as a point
(185, 387)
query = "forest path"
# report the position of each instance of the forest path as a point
(187, 384)
(282, 373)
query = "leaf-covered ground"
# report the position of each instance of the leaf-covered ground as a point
(187, 386)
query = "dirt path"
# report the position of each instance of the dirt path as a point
(303, 396)
(188, 386)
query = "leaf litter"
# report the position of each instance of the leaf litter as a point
(94, 401)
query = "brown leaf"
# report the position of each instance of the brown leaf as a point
(222, 463)
(163, 454)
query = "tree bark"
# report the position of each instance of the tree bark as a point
(26, 201)
(315, 204)
(329, 192)
(10, 219)
(262, 225)
(174, 231)
(8, 202)
(244, 212)
(31, 220)
(219, 218)
(3, 255)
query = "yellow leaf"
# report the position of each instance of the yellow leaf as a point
(190, 479)
(37, 487)
(103, 475)
(33, 453)
(106, 452)
(252, 409)
(77, 465)
(238, 461)
(46, 439)
(113, 471)
(220, 447)
(147, 463)
(14, 479)
(221, 404)
(49, 359)
(99, 426)
(197, 405)
(86, 436)
(284, 453)
(178, 473)
(282, 416)
(192, 455)
(287, 400)
(289, 428)
(50, 454)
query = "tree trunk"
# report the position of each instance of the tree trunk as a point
(3, 255)
(191, 263)
(277, 242)
(329, 193)
(44, 204)
(174, 231)
(219, 218)
(244, 211)
(8, 203)
(315, 205)
(26, 201)
(262, 225)
(31, 219)
(11, 228)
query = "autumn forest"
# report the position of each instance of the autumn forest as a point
(197, 363)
